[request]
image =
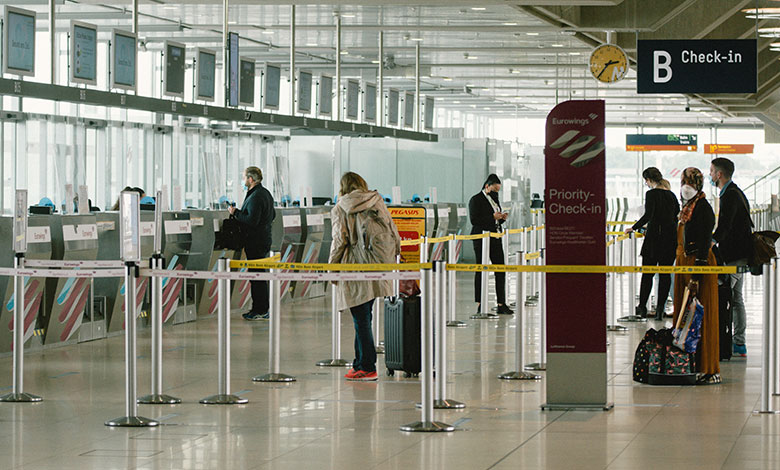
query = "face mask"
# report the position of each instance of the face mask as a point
(713, 182)
(245, 187)
(688, 192)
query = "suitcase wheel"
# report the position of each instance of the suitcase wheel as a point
(407, 374)
(390, 372)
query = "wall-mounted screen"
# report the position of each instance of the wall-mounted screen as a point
(83, 53)
(246, 82)
(326, 95)
(392, 107)
(369, 103)
(173, 79)
(271, 83)
(408, 109)
(353, 99)
(233, 70)
(304, 92)
(124, 53)
(428, 121)
(206, 74)
(19, 41)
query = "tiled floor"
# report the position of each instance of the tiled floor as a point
(323, 422)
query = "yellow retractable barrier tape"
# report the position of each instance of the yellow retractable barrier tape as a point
(594, 269)
(471, 237)
(625, 236)
(615, 233)
(411, 242)
(610, 243)
(534, 255)
(621, 222)
(496, 235)
(270, 259)
(513, 231)
(331, 267)
(440, 239)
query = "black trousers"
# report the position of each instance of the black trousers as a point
(259, 289)
(664, 281)
(496, 257)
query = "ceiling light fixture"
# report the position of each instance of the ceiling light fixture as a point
(556, 45)
(531, 34)
(344, 52)
(415, 39)
(478, 8)
(447, 79)
(347, 15)
(510, 24)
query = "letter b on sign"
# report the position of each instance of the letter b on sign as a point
(662, 66)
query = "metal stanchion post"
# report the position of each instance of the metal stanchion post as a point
(376, 309)
(335, 323)
(483, 307)
(632, 318)
(505, 249)
(224, 397)
(440, 337)
(157, 397)
(542, 364)
(774, 360)
(519, 373)
(452, 298)
(274, 336)
(131, 418)
(770, 299)
(17, 393)
(427, 424)
(612, 279)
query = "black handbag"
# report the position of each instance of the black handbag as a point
(231, 235)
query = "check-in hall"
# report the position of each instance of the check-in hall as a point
(435, 235)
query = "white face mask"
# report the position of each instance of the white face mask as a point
(688, 192)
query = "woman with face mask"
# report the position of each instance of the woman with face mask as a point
(694, 239)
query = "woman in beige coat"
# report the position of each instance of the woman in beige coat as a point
(363, 232)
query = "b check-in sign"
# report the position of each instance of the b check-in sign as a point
(696, 66)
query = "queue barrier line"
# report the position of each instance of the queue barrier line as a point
(330, 266)
(62, 273)
(621, 222)
(513, 231)
(534, 255)
(476, 236)
(54, 263)
(440, 239)
(592, 269)
(289, 276)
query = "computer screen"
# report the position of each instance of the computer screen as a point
(353, 99)
(304, 92)
(408, 109)
(326, 95)
(428, 113)
(83, 53)
(124, 64)
(246, 82)
(369, 103)
(272, 79)
(19, 41)
(206, 70)
(175, 65)
(392, 107)
(233, 71)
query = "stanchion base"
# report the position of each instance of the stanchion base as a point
(765, 412)
(20, 398)
(457, 324)
(132, 422)
(223, 400)
(380, 349)
(519, 375)
(536, 366)
(274, 378)
(616, 328)
(448, 404)
(334, 363)
(156, 399)
(484, 317)
(531, 303)
(428, 426)
(632, 319)
(381, 343)
(577, 406)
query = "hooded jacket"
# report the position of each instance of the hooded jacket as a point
(346, 246)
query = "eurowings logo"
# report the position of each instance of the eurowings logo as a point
(572, 142)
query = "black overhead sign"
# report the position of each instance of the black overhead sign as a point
(696, 66)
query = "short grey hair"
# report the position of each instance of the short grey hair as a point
(255, 173)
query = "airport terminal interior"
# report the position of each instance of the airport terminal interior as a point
(125, 131)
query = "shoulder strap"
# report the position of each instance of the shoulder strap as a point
(743, 198)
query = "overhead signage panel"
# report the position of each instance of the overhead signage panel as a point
(728, 149)
(175, 54)
(124, 53)
(83, 53)
(233, 70)
(246, 82)
(206, 70)
(19, 41)
(272, 83)
(304, 92)
(325, 95)
(662, 142)
(696, 66)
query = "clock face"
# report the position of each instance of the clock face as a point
(608, 63)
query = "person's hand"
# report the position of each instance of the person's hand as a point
(629, 230)
(498, 215)
(232, 210)
(693, 287)
(506, 215)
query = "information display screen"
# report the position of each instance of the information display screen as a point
(392, 107)
(175, 66)
(206, 70)
(408, 109)
(124, 64)
(273, 77)
(326, 95)
(369, 103)
(83, 53)
(304, 92)
(19, 41)
(233, 71)
(428, 122)
(353, 99)
(246, 82)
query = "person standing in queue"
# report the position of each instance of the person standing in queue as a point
(485, 214)
(694, 242)
(256, 216)
(733, 236)
(660, 244)
(363, 232)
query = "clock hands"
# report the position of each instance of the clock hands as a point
(611, 62)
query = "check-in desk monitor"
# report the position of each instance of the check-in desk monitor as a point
(74, 237)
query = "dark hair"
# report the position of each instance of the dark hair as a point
(653, 174)
(491, 179)
(255, 173)
(724, 165)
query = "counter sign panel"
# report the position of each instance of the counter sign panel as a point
(410, 222)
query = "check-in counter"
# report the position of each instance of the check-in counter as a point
(443, 211)
(104, 288)
(176, 249)
(293, 239)
(39, 247)
(199, 259)
(116, 317)
(431, 224)
(313, 219)
(207, 305)
(74, 237)
(461, 228)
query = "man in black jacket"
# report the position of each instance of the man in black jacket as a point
(733, 237)
(256, 216)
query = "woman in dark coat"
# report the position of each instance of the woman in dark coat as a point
(660, 243)
(485, 214)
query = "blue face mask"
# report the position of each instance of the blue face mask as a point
(713, 182)
(245, 187)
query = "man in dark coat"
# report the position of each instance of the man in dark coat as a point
(256, 216)
(734, 241)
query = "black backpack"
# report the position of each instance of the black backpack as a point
(231, 235)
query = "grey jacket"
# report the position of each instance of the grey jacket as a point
(346, 246)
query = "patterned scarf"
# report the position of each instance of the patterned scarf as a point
(687, 210)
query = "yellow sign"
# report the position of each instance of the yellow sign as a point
(410, 222)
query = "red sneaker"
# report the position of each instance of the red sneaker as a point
(363, 376)
(350, 374)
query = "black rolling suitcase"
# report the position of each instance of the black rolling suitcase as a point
(724, 316)
(402, 335)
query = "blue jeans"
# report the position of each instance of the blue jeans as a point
(365, 352)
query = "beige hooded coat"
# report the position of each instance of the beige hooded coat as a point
(346, 247)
